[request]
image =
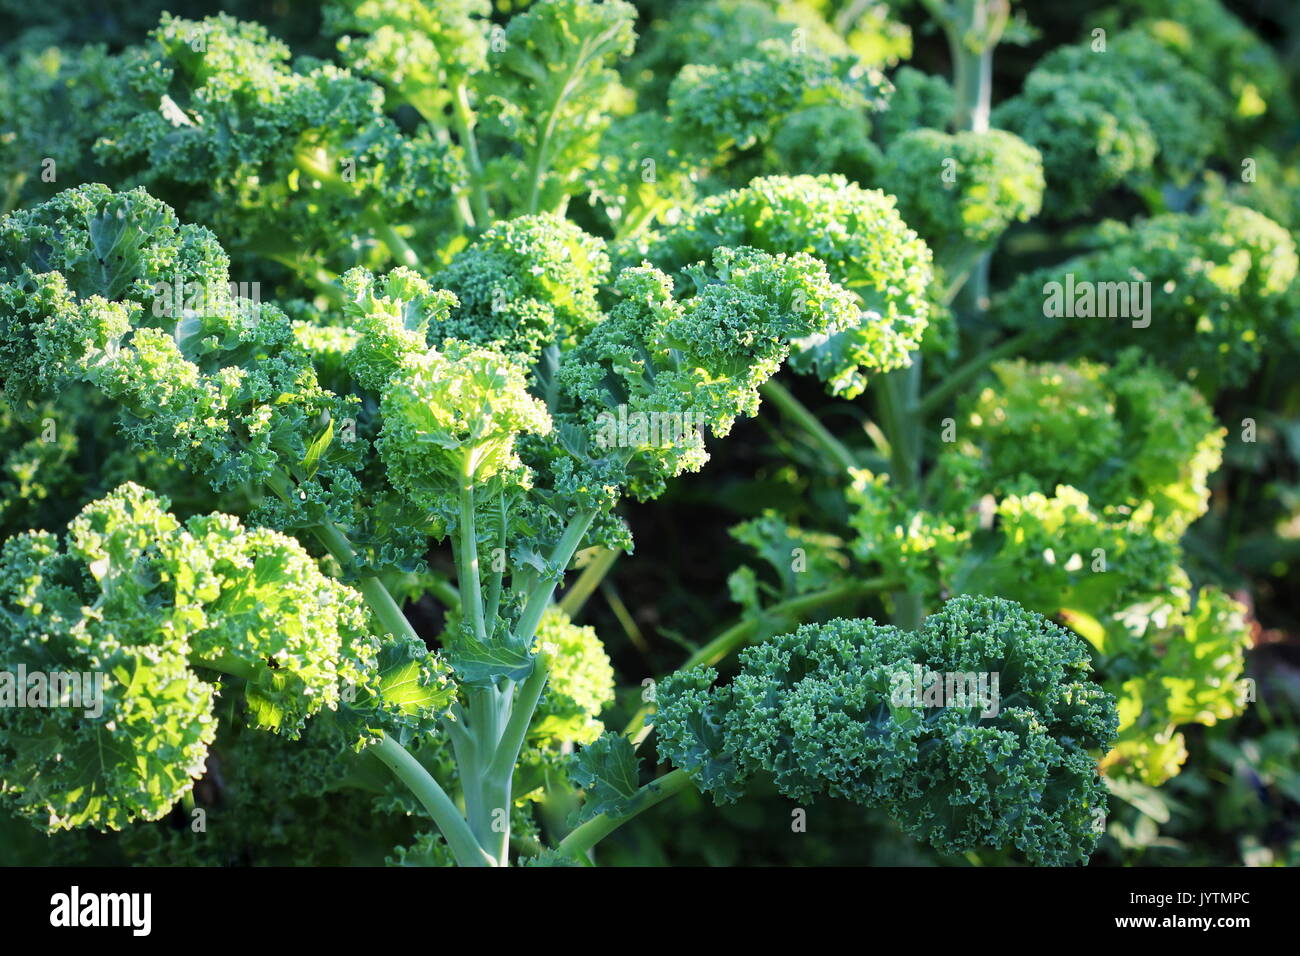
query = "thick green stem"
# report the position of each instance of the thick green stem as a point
(499, 748)
(385, 608)
(463, 116)
(484, 720)
(380, 601)
(897, 399)
(499, 719)
(973, 32)
(581, 840)
(397, 247)
(537, 164)
(226, 664)
(972, 83)
(973, 28)
(521, 715)
(450, 823)
(539, 595)
(490, 828)
(464, 745)
(446, 592)
(497, 572)
(471, 591)
(798, 413)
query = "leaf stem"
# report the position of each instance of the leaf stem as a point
(471, 591)
(797, 412)
(586, 836)
(495, 575)
(539, 595)
(956, 380)
(631, 226)
(463, 116)
(898, 398)
(398, 247)
(521, 715)
(738, 634)
(539, 164)
(380, 601)
(450, 823)
(590, 577)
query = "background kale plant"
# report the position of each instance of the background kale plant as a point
(345, 348)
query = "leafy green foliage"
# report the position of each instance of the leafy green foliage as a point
(818, 710)
(523, 285)
(920, 100)
(1180, 665)
(704, 356)
(801, 560)
(857, 233)
(91, 281)
(607, 770)
(140, 606)
(1122, 112)
(1216, 44)
(278, 155)
(977, 185)
(417, 50)
(519, 271)
(581, 684)
(48, 100)
(548, 90)
(1215, 286)
(720, 109)
(1126, 435)
(1068, 491)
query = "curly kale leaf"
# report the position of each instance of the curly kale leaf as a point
(1207, 293)
(722, 108)
(826, 711)
(279, 163)
(141, 606)
(523, 285)
(580, 686)
(1127, 435)
(700, 358)
(607, 769)
(549, 91)
(1129, 114)
(960, 192)
(859, 236)
(418, 50)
